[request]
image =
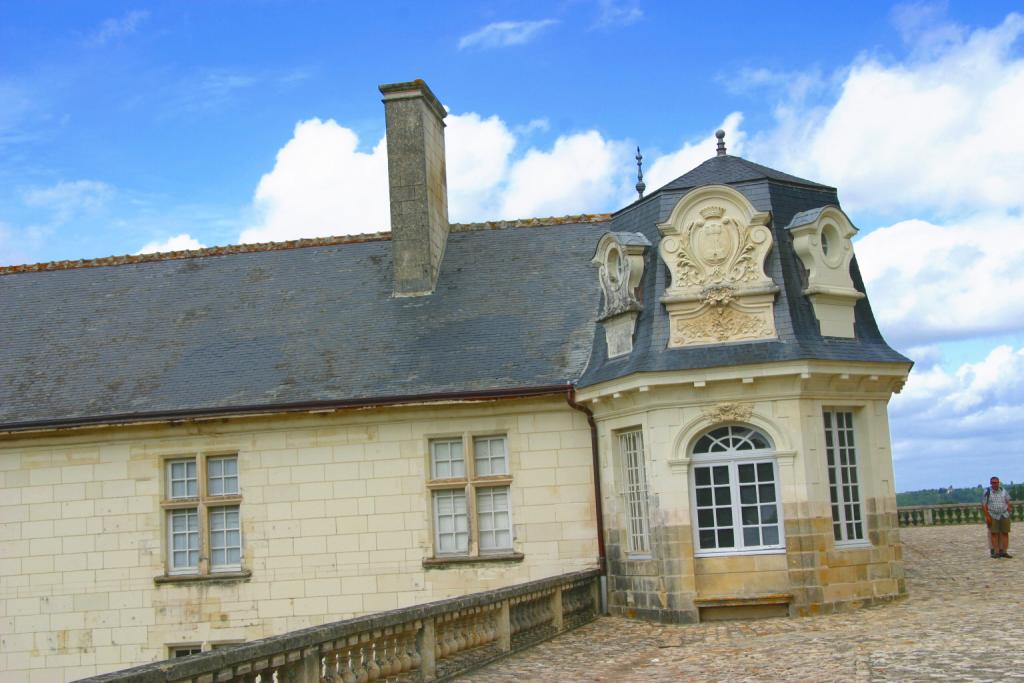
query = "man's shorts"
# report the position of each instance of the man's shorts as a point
(999, 526)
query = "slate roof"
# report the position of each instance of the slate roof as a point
(313, 323)
(729, 170)
(295, 326)
(799, 338)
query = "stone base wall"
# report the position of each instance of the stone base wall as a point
(658, 587)
(819, 576)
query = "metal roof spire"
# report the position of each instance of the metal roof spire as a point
(640, 185)
(720, 134)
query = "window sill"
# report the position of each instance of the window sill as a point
(435, 562)
(215, 577)
(706, 555)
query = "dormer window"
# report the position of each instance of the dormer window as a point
(822, 240)
(620, 259)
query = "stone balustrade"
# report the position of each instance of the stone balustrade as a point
(435, 641)
(954, 513)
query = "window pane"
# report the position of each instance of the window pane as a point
(493, 518)
(765, 471)
(746, 473)
(447, 459)
(749, 515)
(721, 474)
(183, 531)
(703, 496)
(725, 538)
(707, 538)
(723, 496)
(450, 521)
(748, 495)
(181, 479)
(770, 535)
(769, 514)
(751, 536)
(225, 537)
(767, 493)
(490, 455)
(702, 476)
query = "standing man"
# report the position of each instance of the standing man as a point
(997, 506)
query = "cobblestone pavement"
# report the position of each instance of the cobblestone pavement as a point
(963, 621)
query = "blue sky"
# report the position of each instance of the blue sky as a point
(154, 126)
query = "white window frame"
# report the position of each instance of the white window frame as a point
(732, 459)
(206, 507)
(846, 514)
(635, 493)
(476, 450)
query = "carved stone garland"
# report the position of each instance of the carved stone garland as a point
(715, 246)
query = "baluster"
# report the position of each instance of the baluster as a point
(372, 665)
(382, 647)
(393, 665)
(414, 652)
(361, 660)
(345, 670)
(459, 633)
(402, 651)
(329, 664)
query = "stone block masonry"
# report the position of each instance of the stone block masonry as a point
(336, 522)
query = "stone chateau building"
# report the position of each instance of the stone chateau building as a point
(207, 447)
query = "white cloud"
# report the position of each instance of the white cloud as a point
(939, 131)
(612, 14)
(118, 27)
(10, 246)
(321, 185)
(505, 34)
(66, 199)
(477, 153)
(180, 242)
(931, 282)
(583, 172)
(668, 167)
(941, 417)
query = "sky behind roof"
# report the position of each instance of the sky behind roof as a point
(128, 127)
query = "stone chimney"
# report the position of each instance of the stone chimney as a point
(417, 184)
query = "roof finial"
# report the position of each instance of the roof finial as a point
(720, 134)
(640, 185)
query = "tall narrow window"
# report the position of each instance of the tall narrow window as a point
(843, 482)
(735, 493)
(470, 484)
(631, 451)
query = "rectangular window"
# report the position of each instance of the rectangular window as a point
(471, 496)
(737, 506)
(203, 508)
(843, 482)
(631, 452)
(178, 651)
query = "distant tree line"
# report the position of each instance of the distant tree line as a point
(952, 494)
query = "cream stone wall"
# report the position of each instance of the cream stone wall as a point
(336, 522)
(785, 401)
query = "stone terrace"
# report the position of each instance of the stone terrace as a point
(948, 629)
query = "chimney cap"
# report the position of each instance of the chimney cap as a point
(409, 89)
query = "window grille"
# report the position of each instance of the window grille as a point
(631, 450)
(843, 482)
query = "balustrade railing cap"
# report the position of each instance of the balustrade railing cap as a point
(294, 643)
